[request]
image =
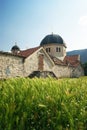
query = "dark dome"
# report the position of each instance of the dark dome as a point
(15, 47)
(52, 38)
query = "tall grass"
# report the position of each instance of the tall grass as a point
(43, 104)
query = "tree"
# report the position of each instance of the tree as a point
(85, 68)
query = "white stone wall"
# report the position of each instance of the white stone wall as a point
(31, 63)
(13, 66)
(48, 64)
(10, 66)
(77, 72)
(68, 71)
(61, 71)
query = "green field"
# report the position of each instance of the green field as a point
(43, 104)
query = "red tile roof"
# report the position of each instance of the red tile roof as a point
(68, 60)
(57, 61)
(72, 60)
(28, 52)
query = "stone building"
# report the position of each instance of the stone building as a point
(47, 59)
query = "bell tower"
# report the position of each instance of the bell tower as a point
(54, 46)
(15, 49)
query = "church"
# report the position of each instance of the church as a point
(48, 59)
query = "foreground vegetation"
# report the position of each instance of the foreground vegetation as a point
(43, 104)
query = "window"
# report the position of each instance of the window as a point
(58, 49)
(47, 49)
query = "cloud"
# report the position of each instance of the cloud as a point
(83, 21)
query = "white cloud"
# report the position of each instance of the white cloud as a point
(83, 21)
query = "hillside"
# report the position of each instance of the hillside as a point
(82, 53)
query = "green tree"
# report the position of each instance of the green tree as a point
(85, 68)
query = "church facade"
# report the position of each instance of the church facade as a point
(49, 58)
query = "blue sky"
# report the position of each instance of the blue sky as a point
(27, 22)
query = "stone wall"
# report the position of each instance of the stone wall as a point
(77, 72)
(14, 66)
(31, 63)
(68, 71)
(62, 71)
(48, 65)
(10, 66)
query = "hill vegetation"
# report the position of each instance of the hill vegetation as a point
(43, 104)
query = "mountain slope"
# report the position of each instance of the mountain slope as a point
(82, 53)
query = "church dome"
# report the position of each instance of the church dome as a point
(52, 38)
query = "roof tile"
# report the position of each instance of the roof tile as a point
(28, 52)
(72, 60)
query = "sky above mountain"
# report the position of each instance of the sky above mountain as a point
(27, 22)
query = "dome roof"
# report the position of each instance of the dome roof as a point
(52, 38)
(15, 47)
